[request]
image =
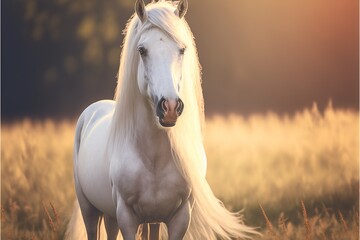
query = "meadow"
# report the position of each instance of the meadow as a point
(294, 177)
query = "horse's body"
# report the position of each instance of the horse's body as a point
(90, 166)
(140, 159)
(150, 184)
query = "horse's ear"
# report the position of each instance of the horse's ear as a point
(140, 10)
(182, 8)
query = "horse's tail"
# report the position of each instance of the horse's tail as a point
(211, 220)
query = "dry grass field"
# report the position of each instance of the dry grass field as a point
(296, 177)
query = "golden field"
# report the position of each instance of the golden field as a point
(295, 177)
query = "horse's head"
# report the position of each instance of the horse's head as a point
(160, 67)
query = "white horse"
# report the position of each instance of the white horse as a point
(140, 160)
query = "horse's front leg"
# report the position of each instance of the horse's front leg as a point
(127, 221)
(179, 223)
(154, 231)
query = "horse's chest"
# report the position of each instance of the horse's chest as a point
(154, 195)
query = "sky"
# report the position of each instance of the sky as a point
(257, 56)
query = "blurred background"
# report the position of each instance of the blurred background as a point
(281, 88)
(59, 56)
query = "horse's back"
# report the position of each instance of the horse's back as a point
(91, 164)
(93, 113)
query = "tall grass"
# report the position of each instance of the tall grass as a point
(301, 169)
(37, 180)
(280, 161)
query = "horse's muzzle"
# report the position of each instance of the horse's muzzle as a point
(168, 110)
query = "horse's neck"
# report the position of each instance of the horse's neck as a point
(152, 143)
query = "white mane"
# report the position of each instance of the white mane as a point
(189, 126)
(209, 218)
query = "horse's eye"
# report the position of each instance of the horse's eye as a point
(142, 50)
(182, 51)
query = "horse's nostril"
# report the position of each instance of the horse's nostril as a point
(164, 105)
(161, 108)
(179, 107)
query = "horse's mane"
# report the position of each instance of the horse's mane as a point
(209, 219)
(188, 130)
